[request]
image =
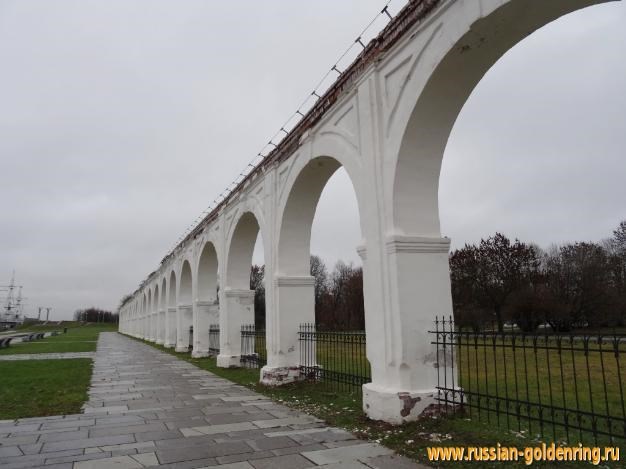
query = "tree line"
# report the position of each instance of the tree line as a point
(95, 315)
(338, 295)
(574, 285)
(496, 281)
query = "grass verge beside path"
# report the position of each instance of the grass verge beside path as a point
(38, 388)
(343, 409)
(78, 339)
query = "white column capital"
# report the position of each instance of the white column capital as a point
(294, 281)
(417, 244)
(238, 293)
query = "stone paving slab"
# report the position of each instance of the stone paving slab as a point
(147, 408)
(46, 356)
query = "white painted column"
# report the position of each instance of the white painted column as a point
(238, 310)
(161, 328)
(170, 327)
(404, 363)
(294, 299)
(153, 320)
(145, 329)
(155, 326)
(201, 315)
(185, 320)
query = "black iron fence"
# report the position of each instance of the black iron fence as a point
(335, 358)
(568, 387)
(214, 339)
(253, 351)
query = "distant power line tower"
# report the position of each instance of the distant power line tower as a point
(13, 302)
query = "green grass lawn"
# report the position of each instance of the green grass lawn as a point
(37, 388)
(546, 376)
(343, 408)
(81, 338)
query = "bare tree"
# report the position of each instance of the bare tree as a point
(257, 283)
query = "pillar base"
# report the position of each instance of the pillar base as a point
(395, 406)
(199, 353)
(229, 361)
(169, 345)
(183, 348)
(159, 342)
(277, 376)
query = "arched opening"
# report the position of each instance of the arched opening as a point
(240, 252)
(155, 314)
(144, 317)
(258, 282)
(335, 260)
(238, 296)
(467, 45)
(150, 317)
(185, 309)
(416, 184)
(206, 311)
(171, 312)
(171, 291)
(162, 313)
(207, 274)
(185, 289)
(294, 244)
(295, 287)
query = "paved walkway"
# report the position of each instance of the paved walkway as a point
(148, 408)
(46, 356)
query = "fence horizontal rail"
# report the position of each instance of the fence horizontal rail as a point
(566, 385)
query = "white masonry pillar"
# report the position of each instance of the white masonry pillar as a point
(404, 362)
(294, 304)
(161, 328)
(238, 310)
(153, 326)
(201, 323)
(170, 327)
(184, 322)
(145, 332)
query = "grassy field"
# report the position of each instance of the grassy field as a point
(36, 388)
(80, 338)
(530, 379)
(342, 408)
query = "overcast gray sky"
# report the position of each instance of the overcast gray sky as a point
(121, 120)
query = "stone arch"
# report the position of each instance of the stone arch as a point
(163, 293)
(144, 315)
(240, 249)
(171, 290)
(298, 210)
(463, 52)
(169, 305)
(207, 274)
(293, 289)
(157, 297)
(184, 315)
(185, 289)
(238, 299)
